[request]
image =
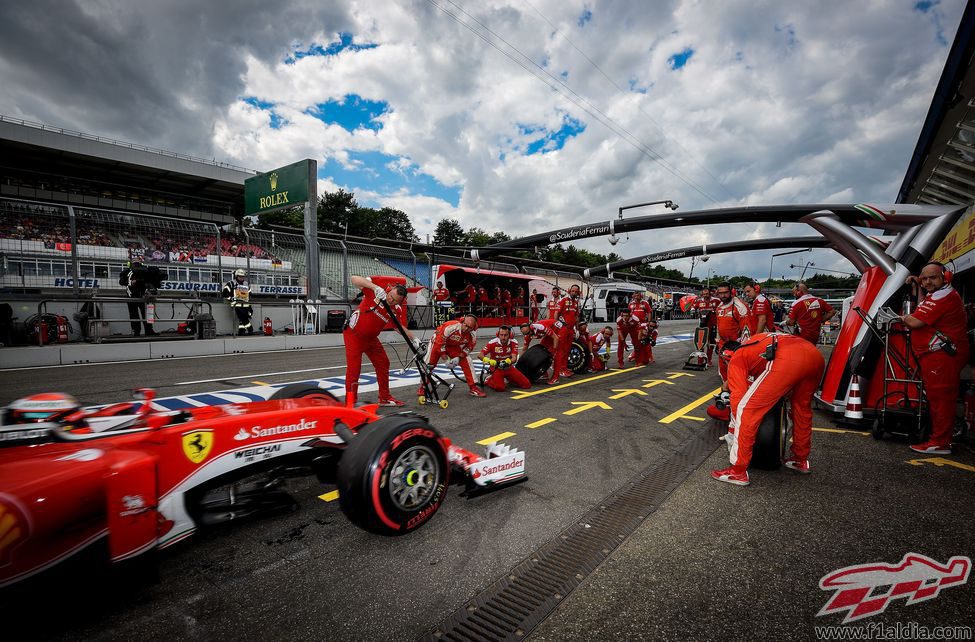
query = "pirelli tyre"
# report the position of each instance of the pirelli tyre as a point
(534, 362)
(393, 477)
(304, 391)
(772, 439)
(577, 358)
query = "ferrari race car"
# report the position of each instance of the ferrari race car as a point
(140, 480)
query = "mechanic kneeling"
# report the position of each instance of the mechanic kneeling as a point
(455, 339)
(500, 353)
(780, 365)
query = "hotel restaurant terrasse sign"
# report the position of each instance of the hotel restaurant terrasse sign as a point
(282, 187)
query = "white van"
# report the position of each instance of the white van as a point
(607, 299)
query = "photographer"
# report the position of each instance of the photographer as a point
(139, 281)
(939, 340)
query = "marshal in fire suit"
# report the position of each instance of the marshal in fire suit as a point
(237, 292)
(761, 371)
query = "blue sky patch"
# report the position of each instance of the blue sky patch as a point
(276, 121)
(585, 17)
(924, 5)
(678, 60)
(351, 112)
(551, 141)
(382, 173)
(345, 43)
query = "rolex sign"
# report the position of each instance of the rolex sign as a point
(282, 187)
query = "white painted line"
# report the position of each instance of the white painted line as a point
(260, 374)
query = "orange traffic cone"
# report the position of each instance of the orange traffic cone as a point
(854, 406)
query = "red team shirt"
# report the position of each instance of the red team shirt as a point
(498, 351)
(553, 308)
(641, 311)
(760, 306)
(441, 294)
(807, 312)
(730, 319)
(942, 308)
(370, 318)
(568, 311)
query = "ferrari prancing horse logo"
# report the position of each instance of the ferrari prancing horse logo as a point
(197, 445)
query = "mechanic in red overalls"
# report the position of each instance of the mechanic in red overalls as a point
(705, 306)
(778, 365)
(642, 313)
(548, 334)
(730, 317)
(597, 342)
(455, 340)
(760, 313)
(566, 318)
(470, 296)
(583, 339)
(500, 353)
(361, 336)
(625, 325)
(809, 313)
(938, 338)
(646, 339)
(441, 294)
(553, 303)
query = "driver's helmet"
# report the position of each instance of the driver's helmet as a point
(41, 408)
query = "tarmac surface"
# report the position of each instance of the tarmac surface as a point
(713, 561)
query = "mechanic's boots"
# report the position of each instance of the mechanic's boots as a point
(731, 476)
(554, 379)
(477, 392)
(390, 401)
(799, 465)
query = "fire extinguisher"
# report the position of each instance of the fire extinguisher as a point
(970, 407)
(62, 330)
(42, 331)
(150, 313)
(268, 329)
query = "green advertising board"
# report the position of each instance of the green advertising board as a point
(282, 187)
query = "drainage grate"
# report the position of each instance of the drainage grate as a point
(514, 605)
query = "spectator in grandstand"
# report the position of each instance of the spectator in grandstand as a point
(237, 292)
(134, 279)
(939, 339)
(361, 336)
(808, 313)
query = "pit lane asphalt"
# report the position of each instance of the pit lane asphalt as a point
(311, 574)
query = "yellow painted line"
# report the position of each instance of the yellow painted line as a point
(330, 496)
(837, 430)
(524, 395)
(694, 418)
(689, 407)
(625, 392)
(541, 422)
(677, 375)
(941, 461)
(261, 383)
(497, 438)
(582, 406)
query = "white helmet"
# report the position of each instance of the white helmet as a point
(240, 272)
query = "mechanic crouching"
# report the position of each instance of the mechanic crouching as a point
(599, 347)
(455, 340)
(939, 340)
(778, 365)
(237, 292)
(500, 354)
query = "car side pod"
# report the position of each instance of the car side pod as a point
(500, 466)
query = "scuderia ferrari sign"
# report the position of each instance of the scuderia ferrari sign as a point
(282, 187)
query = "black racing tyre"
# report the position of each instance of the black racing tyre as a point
(534, 362)
(772, 438)
(304, 391)
(877, 430)
(577, 361)
(393, 477)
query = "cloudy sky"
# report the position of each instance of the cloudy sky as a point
(519, 115)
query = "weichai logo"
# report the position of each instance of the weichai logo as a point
(14, 529)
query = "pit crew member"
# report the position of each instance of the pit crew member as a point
(598, 341)
(566, 318)
(760, 312)
(939, 340)
(361, 336)
(500, 353)
(642, 313)
(553, 303)
(808, 313)
(625, 326)
(132, 278)
(730, 318)
(705, 306)
(455, 340)
(646, 339)
(548, 335)
(584, 340)
(778, 365)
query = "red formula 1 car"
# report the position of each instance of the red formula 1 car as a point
(140, 480)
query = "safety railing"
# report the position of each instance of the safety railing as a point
(94, 325)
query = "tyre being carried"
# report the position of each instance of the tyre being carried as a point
(534, 363)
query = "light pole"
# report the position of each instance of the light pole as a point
(613, 239)
(808, 249)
